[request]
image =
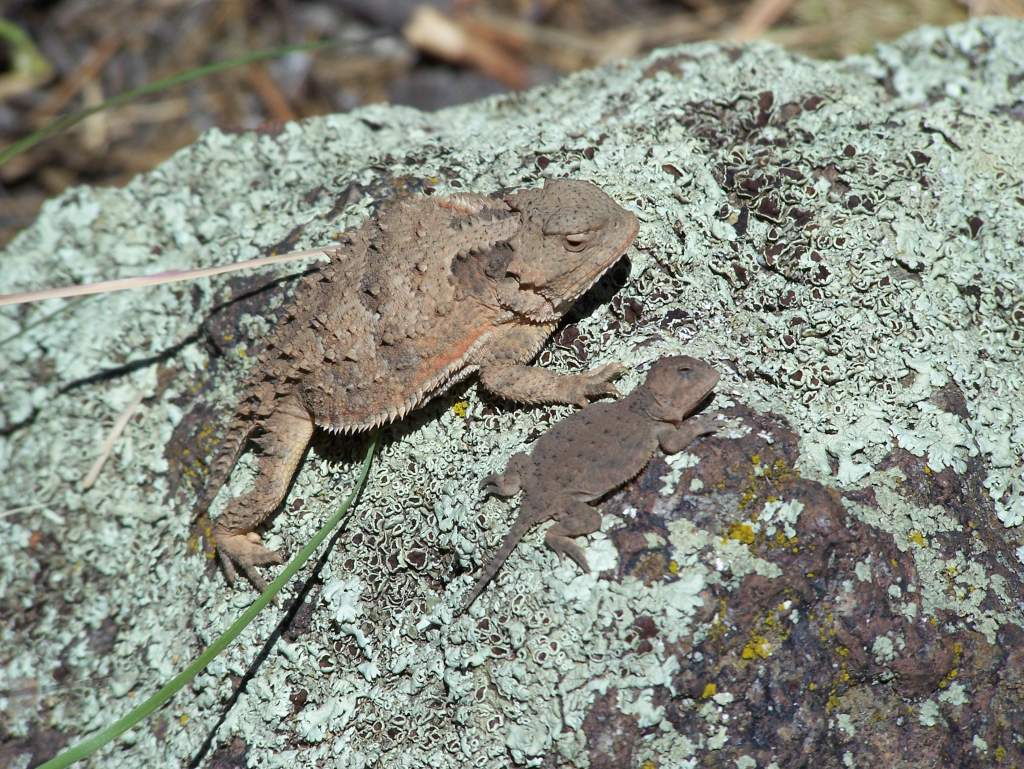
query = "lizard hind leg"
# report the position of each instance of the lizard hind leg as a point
(578, 520)
(287, 434)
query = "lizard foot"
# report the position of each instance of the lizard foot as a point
(564, 546)
(246, 551)
(596, 383)
(496, 485)
(578, 520)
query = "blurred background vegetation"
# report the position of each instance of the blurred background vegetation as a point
(60, 56)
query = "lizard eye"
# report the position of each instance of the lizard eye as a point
(576, 241)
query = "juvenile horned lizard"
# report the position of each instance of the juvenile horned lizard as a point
(593, 452)
(427, 292)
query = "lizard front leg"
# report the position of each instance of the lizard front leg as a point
(287, 434)
(502, 371)
(674, 439)
(510, 482)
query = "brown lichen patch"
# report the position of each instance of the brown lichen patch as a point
(232, 755)
(963, 496)
(32, 749)
(612, 736)
(841, 636)
(673, 64)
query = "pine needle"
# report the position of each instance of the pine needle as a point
(179, 78)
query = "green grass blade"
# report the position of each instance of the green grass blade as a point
(94, 743)
(180, 78)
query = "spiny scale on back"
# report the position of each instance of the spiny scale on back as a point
(422, 295)
(367, 337)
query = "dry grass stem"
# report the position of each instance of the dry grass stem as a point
(170, 276)
(110, 440)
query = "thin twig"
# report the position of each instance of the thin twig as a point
(90, 68)
(156, 86)
(439, 35)
(270, 93)
(169, 276)
(22, 509)
(759, 16)
(111, 439)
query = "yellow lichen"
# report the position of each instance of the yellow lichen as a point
(710, 690)
(948, 678)
(460, 409)
(954, 670)
(757, 647)
(741, 532)
(717, 630)
(918, 538)
(792, 544)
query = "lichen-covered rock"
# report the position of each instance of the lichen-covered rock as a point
(835, 578)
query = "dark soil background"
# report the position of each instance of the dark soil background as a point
(60, 56)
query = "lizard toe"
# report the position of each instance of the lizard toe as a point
(246, 552)
(609, 371)
(598, 383)
(705, 424)
(563, 546)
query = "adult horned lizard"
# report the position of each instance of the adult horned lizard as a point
(424, 294)
(593, 452)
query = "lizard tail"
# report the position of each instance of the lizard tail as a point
(519, 529)
(224, 460)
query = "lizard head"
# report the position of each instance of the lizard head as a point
(571, 233)
(676, 385)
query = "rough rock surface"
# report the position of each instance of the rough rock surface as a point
(834, 579)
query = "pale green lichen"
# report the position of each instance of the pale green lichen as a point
(911, 297)
(957, 583)
(955, 695)
(863, 569)
(845, 724)
(676, 464)
(643, 708)
(928, 713)
(779, 515)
